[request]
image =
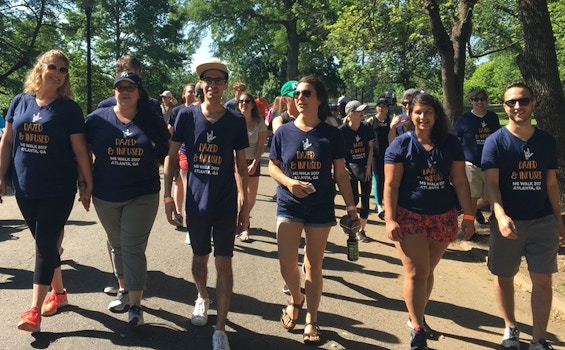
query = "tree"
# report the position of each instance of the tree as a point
(538, 64)
(452, 49)
(267, 40)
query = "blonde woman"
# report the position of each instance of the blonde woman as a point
(45, 135)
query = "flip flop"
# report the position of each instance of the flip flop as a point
(314, 337)
(286, 320)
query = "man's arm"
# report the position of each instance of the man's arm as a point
(169, 168)
(505, 223)
(554, 194)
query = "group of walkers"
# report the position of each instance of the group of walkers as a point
(214, 152)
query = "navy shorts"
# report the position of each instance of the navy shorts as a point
(318, 215)
(202, 229)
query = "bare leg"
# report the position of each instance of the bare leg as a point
(504, 290)
(316, 239)
(541, 304)
(224, 289)
(200, 274)
(288, 241)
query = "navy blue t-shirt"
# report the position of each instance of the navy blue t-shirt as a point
(125, 165)
(210, 150)
(43, 158)
(425, 187)
(308, 156)
(473, 130)
(522, 169)
(357, 142)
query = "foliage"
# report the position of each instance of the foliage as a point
(266, 42)
(493, 76)
(156, 31)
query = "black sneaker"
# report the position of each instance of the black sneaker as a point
(430, 332)
(419, 340)
(480, 218)
(362, 237)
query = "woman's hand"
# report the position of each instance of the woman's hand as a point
(393, 231)
(468, 228)
(299, 189)
(252, 167)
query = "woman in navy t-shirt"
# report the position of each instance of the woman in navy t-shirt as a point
(129, 141)
(423, 168)
(303, 154)
(44, 138)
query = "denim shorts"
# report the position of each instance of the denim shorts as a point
(318, 215)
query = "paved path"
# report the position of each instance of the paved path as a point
(362, 306)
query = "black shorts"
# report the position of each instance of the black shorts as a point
(202, 229)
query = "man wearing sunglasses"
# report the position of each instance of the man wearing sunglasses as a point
(472, 129)
(216, 199)
(520, 165)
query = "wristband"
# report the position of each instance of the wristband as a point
(468, 217)
(79, 183)
(168, 200)
(351, 208)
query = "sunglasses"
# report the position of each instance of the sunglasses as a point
(248, 101)
(405, 103)
(214, 81)
(128, 88)
(63, 70)
(477, 99)
(522, 101)
(305, 93)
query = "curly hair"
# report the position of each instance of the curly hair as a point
(440, 129)
(34, 80)
(321, 92)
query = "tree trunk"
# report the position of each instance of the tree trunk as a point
(452, 52)
(292, 43)
(538, 65)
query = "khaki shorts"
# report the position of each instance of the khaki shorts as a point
(476, 178)
(538, 240)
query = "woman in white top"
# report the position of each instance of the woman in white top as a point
(257, 133)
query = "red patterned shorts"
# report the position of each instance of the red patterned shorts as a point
(440, 227)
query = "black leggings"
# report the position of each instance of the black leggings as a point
(365, 196)
(45, 218)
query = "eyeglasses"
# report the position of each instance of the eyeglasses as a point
(305, 93)
(214, 81)
(128, 88)
(522, 101)
(63, 70)
(477, 99)
(247, 101)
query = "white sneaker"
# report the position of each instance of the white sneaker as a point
(187, 239)
(200, 313)
(121, 303)
(220, 340)
(511, 338)
(285, 289)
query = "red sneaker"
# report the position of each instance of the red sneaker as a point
(53, 302)
(30, 320)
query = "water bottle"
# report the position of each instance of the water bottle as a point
(352, 248)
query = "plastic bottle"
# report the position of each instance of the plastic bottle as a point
(352, 248)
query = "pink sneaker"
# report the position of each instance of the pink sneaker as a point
(53, 302)
(30, 320)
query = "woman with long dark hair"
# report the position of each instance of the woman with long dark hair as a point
(424, 170)
(257, 134)
(304, 154)
(129, 142)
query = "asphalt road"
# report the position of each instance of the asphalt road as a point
(361, 308)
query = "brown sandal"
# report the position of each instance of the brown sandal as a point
(314, 337)
(286, 320)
